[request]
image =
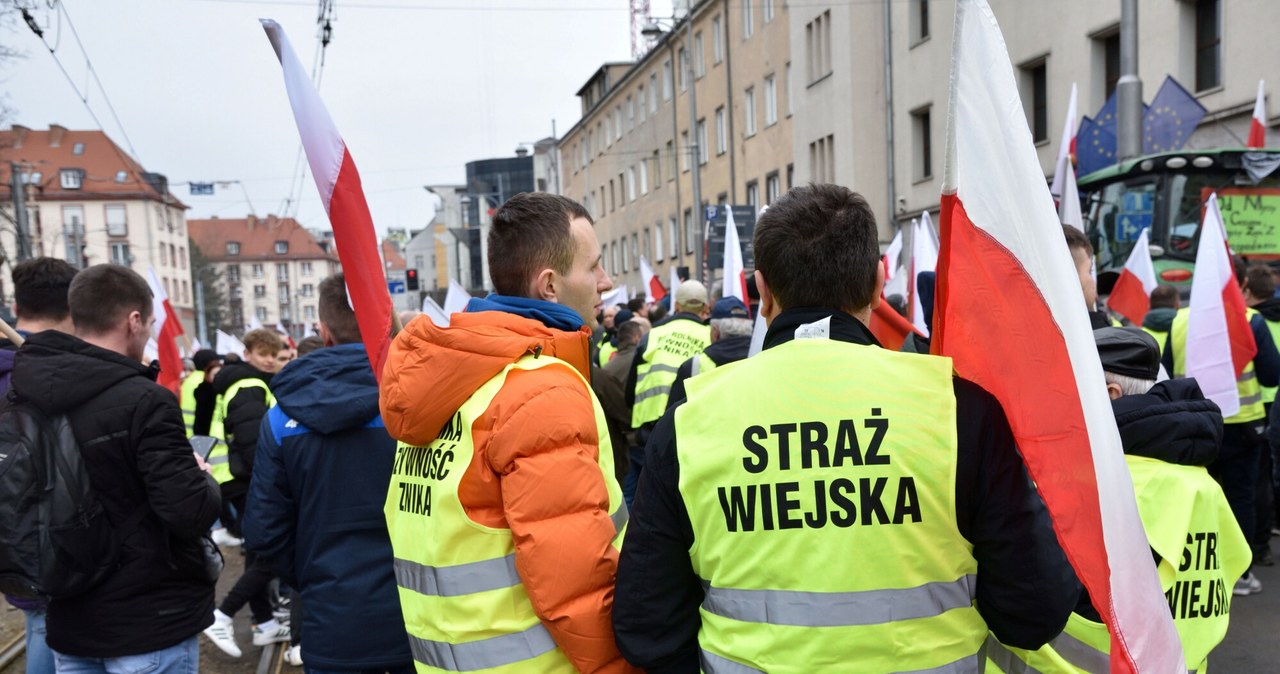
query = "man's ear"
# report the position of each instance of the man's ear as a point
(768, 306)
(543, 286)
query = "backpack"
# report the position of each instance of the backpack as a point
(55, 538)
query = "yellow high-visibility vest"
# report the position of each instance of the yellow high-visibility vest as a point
(669, 346)
(220, 459)
(464, 604)
(823, 513)
(187, 399)
(1269, 392)
(1247, 386)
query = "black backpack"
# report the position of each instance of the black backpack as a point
(55, 538)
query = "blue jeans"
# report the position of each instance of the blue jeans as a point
(182, 658)
(39, 657)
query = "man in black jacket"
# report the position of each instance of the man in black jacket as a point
(862, 580)
(147, 615)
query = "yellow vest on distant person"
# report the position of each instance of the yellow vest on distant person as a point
(1250, 392)
(219, 459)
(669, 346)
(187, 400)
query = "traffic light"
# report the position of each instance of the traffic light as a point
(411, 279)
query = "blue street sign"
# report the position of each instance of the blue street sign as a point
(395, 287)
(1130, 225)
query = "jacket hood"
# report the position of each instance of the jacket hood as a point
(329, 390)
(1173, 422)
(431, 371)
(1270, 309)
(58, 372)
(729, 349)
(234, 372)
(1161, 319)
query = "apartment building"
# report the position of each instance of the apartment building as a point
(630, 158)
(270, 269)
(88, 202)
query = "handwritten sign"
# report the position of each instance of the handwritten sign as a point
(1252, 218)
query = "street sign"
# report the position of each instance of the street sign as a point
(395, 287)
(744, 216)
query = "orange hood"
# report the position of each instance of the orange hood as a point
(431, 371)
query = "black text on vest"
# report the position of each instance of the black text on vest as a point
(416, 468)
(840, 501)
(1206, 597)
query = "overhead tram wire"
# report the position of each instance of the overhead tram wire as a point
(324, 18)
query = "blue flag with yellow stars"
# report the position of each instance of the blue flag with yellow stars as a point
(1173, 115)
(1095, 146)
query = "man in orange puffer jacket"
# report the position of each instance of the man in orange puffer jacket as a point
(503, 510)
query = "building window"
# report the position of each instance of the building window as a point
(749, 109)
(635, 250)
(722, 132)
(631, 184)
(310, 312)
(640, 103)
(753, 195)
(768, 11)
(671, 159)
(645, 252)
(685, 150)
(688, 231)
(631, 114)
(919, 20)
(791, 176)
(116, 223)
(72, 179)
(233, 248)
(822, 160)
(772, 188)
(233, 273)
(306, 268)
(121, 176)
(770, 101)
(307, 290)
(717, 41)
(644, 176)
(699, 56)
(1208, 44)
(259, 291)
(673, 239)
(120, 254)
(684, 69)
(77, 149)
(164, 256)
(613, 257)
(261, 313)
(657, 170)
(1110, 47)
(653, 92)
(626, 255)
(182, 256)
(666, 80)
(703, 150)
(922, 141)
(818, 46)
(257, 270)
(1035, 94)
(788, 85)
(613, 197)
(282, 247)
(617, 122)
(282, 291)
(186, 293)
(657, 241)
(748, 18)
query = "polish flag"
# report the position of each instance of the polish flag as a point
(735, 273)
(924, 257)
(166, 332)
(1003, 264)
(889, 327)
(1131, 296)
(1066, 146)
(675, 283)
(1258, 126)
(619, 295)
(254, 323)
(891, 255)
(339, 185)
(653, 290)
(1219, 341)
(1069, 207)
(287, 337)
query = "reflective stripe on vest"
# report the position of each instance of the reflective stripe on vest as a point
(187, 399)
(843, 464)
(219, 458)
(1247, 388)
(463, 602)
(669, 346)
(1269, 392)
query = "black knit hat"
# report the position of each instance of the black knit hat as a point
(203, 358)
(1128, 351)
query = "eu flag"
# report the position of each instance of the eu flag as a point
(1173, 115)
(1095, 145)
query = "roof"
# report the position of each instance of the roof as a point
(257, 238)
(108, 171)
(391, 256)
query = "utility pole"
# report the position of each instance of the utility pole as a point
(202, 329)
(695, 149)
(20, 211)
(1129, 87)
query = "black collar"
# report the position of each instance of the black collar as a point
(842, 327)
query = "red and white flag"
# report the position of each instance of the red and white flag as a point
(1219, 341)
(166, 332)
(735, 272)
(1003, 262)
(1258, 125)
(891, 255)
(674, 284)
(924, 257)
(1069, 207)
(1066, 146)
(1131, 295)
(339, 185)
(653, 290)
(280, 329)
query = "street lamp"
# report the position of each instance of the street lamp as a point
(653, 30)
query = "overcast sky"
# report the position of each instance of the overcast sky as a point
(417, 87)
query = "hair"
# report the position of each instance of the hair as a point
(531, 233)
(1165, 297)
(630, 331)
(263, 339)
(1259, 281)
(635, 305)
(818, 246)
(104, 295)
(309, 344)
(1130, 386)
(657, 312)
(40, 288)
(1076, 240)
(335, 312)
(1238, 266)
(733, 327)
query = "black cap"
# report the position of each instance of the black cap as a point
(1128, 351)
(202, 358)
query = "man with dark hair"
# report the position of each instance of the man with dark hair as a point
(315, 503)
(147, 614)
(1082, 255)
(196, 394)
(865, 511)
(1165, 303)
(503, 509)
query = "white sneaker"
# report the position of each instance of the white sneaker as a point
(1247, 585)
(293, 655)
(222, 634)
(224, 538)
(270, 632)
